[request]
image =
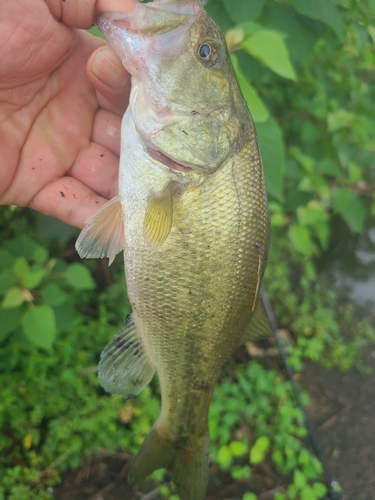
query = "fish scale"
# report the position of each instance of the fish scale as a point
(192, 220)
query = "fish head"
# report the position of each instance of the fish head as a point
(185, 101)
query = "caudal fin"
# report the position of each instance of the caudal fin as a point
(188, 463)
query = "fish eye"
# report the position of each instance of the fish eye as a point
(208, 52)
(205, 51)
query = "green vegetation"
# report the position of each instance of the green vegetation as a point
(306, 70)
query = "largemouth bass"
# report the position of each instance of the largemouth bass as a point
(192, 219)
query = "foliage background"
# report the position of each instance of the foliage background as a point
(306, 69)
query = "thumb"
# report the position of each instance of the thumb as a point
(110, 79)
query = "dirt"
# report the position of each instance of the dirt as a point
(342, 410)
(343, 413)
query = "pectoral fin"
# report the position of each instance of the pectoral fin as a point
(124, 368)
(159, 217)
(103, 234)
(259, 327)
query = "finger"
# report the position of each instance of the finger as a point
(110, 79)
(82, 13)
(106, 130)
(69, 200)
(97, 167)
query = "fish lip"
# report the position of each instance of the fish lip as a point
(169, 162)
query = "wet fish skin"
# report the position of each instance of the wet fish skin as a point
(194, 230)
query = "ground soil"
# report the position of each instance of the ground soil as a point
(342, 410)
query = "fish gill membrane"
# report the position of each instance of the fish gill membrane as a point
(192, 220)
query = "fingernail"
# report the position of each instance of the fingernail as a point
(107, 67)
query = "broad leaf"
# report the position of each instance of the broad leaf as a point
(351, 209)
(300, 238)
(269, 47)
(34, 277)
(243, 10)
(79, 277)
(217, 11)
(254, 103)
(10, 319)
(13, 298)
(325, 11)
(39, 325)
(53, 294)
(302, 33)
(272, 151)
(259, 450)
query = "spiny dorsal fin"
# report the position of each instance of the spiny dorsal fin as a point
(259, 327)
(159, 217)
(103, 234)
(124, 368)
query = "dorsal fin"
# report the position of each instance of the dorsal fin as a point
(103, 234)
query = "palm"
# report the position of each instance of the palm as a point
(59, 148)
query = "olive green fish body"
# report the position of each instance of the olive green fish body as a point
(192, 220)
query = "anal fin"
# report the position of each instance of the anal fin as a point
(124, 368)
(259, 327)
(103, 234)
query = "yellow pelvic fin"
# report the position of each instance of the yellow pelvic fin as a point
(159, 217)
(103, 234)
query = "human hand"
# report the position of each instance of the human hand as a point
(59, 121)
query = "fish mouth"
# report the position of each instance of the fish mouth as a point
(173, 165)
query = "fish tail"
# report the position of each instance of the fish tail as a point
(187, 461)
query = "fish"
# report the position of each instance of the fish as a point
(192, 220)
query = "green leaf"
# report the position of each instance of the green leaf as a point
(238, 448)
(40, 255)
(10, 319)
(79, 277)
(259, 449)
(279, 496)
(320, 489)
(21, 267)
(307, 493)
(328, 167)
(302, 33)
(340, 119)
(224, 457)
(254, 103)
(351, 209)
(371, 4)
(34, 277)
(300, 238)
(7, 280)
(96, 32)
(239, 472)
(299, 479)
(53, 294)
(13, 298)
(325, 11)
(39, 325)
(269, 48)
(272, 149)
(216, 10)
(249, 496)
(311, 214)
(6, 260)
(65, 314)
(248, 10)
